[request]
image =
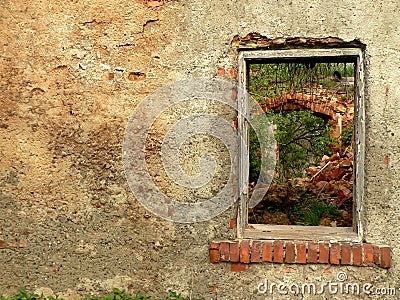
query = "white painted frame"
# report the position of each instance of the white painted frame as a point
(295, 232)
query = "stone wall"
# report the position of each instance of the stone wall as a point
(72, 73)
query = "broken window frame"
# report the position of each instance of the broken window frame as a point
(298, 232)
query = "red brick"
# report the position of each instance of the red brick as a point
(235, 128)
(214, 255)
(278, 252)
(357, 255)
(377, 255)
(312, 253)
(256, 252)
(238, 267)
(234, 252)
(224, 251)
(290, 255)
(232, 223)
(267, 252)
(301, 253)
(334, 255)
(368, 255)
(221, 72)
(346, 254)
(233, 73)
(385, 257)
(279, 41)
(244, 251)
(214, 246)
(323, 253)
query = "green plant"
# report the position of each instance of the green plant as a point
(119, 295)
(262, 141)
(175, 296)
(272, 79)
(303, 138)
(347, 135)
(115, 295)
(309, 211)
(23, 295)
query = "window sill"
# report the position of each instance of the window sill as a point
(294, 232)
(293, 252)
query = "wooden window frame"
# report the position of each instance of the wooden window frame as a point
(296, 232)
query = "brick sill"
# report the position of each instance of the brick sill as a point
(257, 251)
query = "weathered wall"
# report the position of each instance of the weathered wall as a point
(72, 73)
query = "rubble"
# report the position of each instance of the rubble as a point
(330, 183)
(332, 179)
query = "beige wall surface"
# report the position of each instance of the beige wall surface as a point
(73, 72)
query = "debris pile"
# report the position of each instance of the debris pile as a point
(330, 185)
(332, 179)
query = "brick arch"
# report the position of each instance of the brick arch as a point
(336, 109)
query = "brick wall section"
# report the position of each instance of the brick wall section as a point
(249, 251)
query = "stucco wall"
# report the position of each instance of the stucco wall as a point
(73, 72)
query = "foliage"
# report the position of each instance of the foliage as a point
(175, 296)
(115, 295)
(24, 295)
(303, 139)
(265, 140)
(309, 211)
(271, 79)
(347, 135)
(255, 156)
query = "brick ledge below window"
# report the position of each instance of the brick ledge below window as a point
(252, 251)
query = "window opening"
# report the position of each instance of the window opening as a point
(314, 98)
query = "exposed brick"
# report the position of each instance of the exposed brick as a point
(214, 246)
(221, 72)
(377, 255)
(267, 252)
(232, 223)
(235, 128)
(312, 253)
(334, 255)
(385, 257)
(346, 254)
(244, 251)
(233, 73)
(289, 252)
(278, 252)
(290, 255)
(323, 253)
(368, 255)
(214, 255)
(357, 255)
(239, 267)
(224, 251)
(256, 252)
(234, 252)
(301, 250)
(279, 41)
